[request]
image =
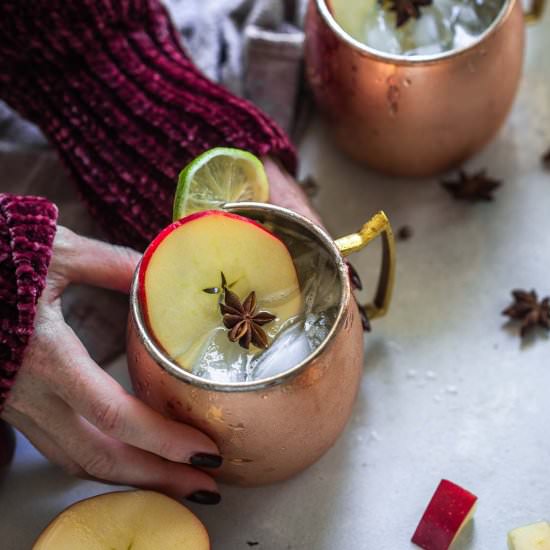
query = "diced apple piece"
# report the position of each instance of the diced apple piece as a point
(450, 508)
(190, 255)
(531, 537)
(131, 520)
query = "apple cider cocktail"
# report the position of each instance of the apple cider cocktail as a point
(416, 27)
(233, 300)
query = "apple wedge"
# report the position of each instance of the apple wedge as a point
(449, 510)
(131, 520)
(182, 269)
(530, 537)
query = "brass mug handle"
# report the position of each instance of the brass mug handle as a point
(377, 225)
(535, 11)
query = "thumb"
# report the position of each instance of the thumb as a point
(89, 261)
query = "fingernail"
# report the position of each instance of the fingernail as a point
(204, 497)
(354, 277)
(364, 318)
(206, 460)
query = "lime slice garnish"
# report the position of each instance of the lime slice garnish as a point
(218, 176)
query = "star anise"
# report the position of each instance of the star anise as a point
(243, 322)
(472, 187)
(404, 233)
(527, 309)
(310, 186)
(405, 9)
(546, 159)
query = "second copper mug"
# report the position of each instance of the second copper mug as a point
(415, 115)
(268, 430)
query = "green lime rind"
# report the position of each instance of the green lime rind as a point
(218, 176)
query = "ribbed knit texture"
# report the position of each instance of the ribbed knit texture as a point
(27, 229)
(109, 84)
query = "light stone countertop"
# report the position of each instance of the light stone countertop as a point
(448, 391)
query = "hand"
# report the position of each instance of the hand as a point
(284, 191)
(80, 417)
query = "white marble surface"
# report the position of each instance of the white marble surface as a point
(448, 390)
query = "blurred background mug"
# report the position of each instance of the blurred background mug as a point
(414, 115)
(270, 429)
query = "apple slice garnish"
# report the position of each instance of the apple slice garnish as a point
(188, 258)
(530, 537)
(125, 520)
(449, 510)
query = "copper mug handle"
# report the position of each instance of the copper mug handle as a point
(377, 225)
(535, 11)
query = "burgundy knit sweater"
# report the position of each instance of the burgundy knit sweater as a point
(110, 85)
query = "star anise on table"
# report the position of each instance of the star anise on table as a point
(527, 309)
(472, 187)
(404, 233)
(310, 186)
(243, 321)
(405, 9)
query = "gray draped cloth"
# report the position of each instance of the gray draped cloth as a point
(253, 47)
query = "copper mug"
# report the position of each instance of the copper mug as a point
(415, 115)
(270, 429)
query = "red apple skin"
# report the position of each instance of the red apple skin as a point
(7, 445)
(445, 514)
(148, 254)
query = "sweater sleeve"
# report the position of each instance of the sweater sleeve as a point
(110, 85)
(27, 229)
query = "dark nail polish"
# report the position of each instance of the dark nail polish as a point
(205, 460)
(364, 318)
(205, 497)
(354, 278)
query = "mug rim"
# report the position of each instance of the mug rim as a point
(164, 361)
(402, 59)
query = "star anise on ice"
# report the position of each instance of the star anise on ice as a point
(527, 309)
(546, 159)
(472, 187)
(405, 9)
(243, 322)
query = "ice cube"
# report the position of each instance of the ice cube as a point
(431, 33)
(222, 360)
(286, 351)
(317, 327)
(382, 37)
(381, 33)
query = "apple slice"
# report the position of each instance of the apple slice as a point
(131, 520)
(531, 537)
(450, 508)
(189, 256)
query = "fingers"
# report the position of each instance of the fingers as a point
(105, 458)
(93, 262)
(96, 396)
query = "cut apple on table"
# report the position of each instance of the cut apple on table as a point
(449, 510)
(530, 537)
(130, 520)
(182, 269)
